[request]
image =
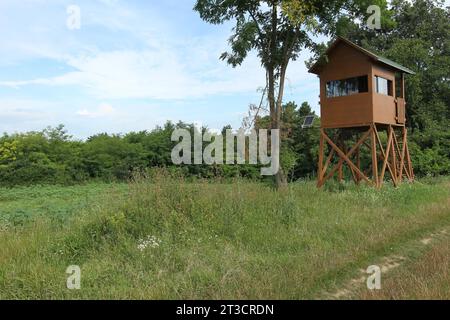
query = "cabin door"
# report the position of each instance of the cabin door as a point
(400, 111)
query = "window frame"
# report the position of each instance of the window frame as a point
(389, 86)
(359, 85)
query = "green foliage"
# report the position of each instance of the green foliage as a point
(21, 206)
(278, 31)
(299, 145)
(8, 151)
(53, 157)
(420, 40)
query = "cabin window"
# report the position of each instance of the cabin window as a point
(346, 87)
(383, 86)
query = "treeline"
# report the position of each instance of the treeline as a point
(52, 156)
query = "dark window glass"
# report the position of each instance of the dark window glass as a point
(346, 87)
(383, 86)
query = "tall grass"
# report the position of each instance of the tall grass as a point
(427, 277)
(216, 240)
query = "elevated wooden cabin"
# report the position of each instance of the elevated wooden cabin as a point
(358, 87)
(362, 94)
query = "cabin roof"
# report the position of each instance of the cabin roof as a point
(317, 67)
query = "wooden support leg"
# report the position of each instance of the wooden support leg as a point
(327, 163)
(345, 157)
(386, 157)
(402, 156)
(410, 167)
(399, 155)
(394, 159)
(349, 154)
(374, 157)
(383, 155)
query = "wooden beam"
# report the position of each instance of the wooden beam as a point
(383, 154)
(336, 167)
(327, 163)
(394, 160)
(345, 158)
(410, 167)
(386, 157)
(402, 156)
(397, 149)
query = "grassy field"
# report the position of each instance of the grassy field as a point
(165, 238)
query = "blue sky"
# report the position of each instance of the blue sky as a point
(132, 65)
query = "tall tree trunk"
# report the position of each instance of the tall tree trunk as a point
(271, 97)
(275, 104)
(281, 179)
(271, 66)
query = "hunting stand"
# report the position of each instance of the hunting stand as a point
(360, 100)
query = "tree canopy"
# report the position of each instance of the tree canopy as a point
(278, 30)
(415, 34)
(418, 38)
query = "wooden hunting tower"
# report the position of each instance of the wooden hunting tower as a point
(361, 95)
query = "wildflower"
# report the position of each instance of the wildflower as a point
(150, 241)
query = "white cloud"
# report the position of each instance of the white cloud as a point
(160, 74)
(147, 74)
(167, 65)
(18, 115)
(103, 110)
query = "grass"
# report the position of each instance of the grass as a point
(426, 277)
(21, 205)
(238, 240)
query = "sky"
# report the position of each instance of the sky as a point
(131, 65)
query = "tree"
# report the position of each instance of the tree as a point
(304, 143)
(420, 40)
(277, 30)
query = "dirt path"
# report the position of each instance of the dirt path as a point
(386, 264)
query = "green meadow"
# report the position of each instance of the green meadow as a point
(167, 238)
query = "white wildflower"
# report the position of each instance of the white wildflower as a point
(149, 242)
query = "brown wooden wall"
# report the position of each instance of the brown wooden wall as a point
(359, 109)
(384, 109)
